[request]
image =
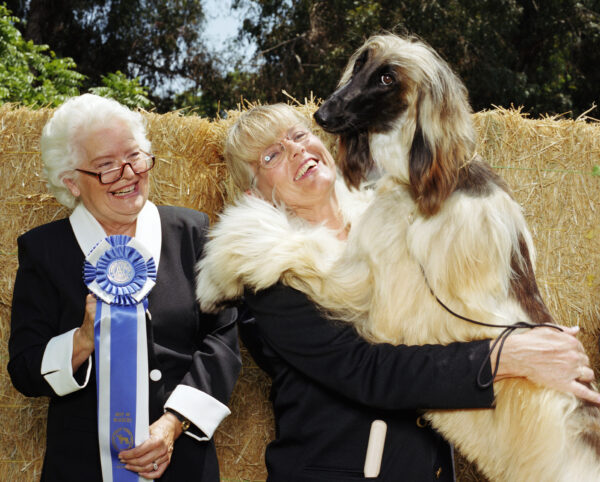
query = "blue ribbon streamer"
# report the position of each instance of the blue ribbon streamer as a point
(122, 360)
(119, 274)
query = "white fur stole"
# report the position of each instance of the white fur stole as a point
(255, 244)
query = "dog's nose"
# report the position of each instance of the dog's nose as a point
(320, 118)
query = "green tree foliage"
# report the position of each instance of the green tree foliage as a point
(157, 41)
(541, 55)
(31, 74)
(129, 92)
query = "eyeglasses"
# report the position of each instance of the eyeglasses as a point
(274, 154)
(139, 164)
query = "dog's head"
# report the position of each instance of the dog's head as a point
(400, 102)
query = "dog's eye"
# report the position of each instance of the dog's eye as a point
(386, 79)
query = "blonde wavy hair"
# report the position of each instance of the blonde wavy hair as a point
(254, 130)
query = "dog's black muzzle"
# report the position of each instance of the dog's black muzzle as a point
(335, 114)
(327, 116)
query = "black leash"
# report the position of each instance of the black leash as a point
(508, 330)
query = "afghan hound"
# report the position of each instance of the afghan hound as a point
(440, 239)
(444, 238)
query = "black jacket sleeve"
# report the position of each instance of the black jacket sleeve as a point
(207, 344)
(46, 303)
(378, 375)
(34, 322)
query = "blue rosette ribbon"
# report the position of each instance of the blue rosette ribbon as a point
(120, 272)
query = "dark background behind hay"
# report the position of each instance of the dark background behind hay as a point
(547, 162)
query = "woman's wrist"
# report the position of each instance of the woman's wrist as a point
(83, 347)
(508, 364)
(174, 423)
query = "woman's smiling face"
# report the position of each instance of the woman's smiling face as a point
(119, 203)
(304, 173)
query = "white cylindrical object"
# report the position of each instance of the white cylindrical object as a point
(375, 449)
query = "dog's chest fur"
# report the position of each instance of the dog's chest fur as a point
(390, 150)
(455, 250)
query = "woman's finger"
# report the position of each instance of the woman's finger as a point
(155, 474)
(583, 392)
(145, 461)
(141, 466)
(143, 455)
(154, 455)
(585, 374)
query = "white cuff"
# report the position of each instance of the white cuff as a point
(56, 365)
(202, 410)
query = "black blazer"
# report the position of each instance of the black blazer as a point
(187, 346)
(329, 385)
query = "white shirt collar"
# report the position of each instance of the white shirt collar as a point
(89, 232)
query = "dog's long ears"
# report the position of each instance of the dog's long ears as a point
(442, 143)
(431, 178)
(355, 159)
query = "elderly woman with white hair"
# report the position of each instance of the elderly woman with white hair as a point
(138, 377)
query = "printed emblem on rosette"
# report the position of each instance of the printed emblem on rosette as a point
(119, 270)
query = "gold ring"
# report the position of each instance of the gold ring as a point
(154, 466)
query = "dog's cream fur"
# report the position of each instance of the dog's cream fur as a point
(466, 250)
(533, 433)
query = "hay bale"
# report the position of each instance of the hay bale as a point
(547, 162)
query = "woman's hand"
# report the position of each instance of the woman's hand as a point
(156, 450)
(550, 358)
(83, 339)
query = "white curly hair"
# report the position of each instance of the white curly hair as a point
(60, 146)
